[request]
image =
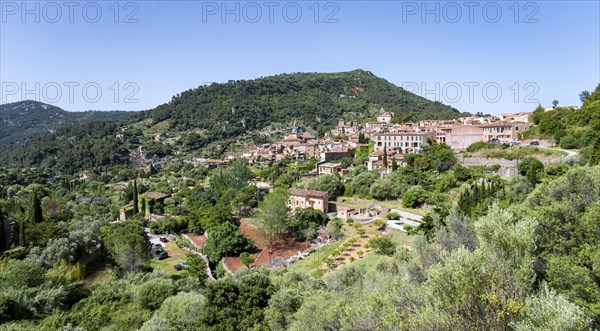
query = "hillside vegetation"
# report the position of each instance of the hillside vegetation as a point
(573, 128)
(22, 121)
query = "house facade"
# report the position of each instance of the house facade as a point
(385, 117)
(308, 199)
(462, 136)
(403, 142)
(329, 168)
(503, 132)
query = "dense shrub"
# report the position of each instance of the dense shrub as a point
(152, 293)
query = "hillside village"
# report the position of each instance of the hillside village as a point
(396, 139)
(387, 145)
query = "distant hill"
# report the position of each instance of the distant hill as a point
(22, 121)
(219, 114)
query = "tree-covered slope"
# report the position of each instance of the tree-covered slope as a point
(219, 113)
(573, 128)
(315, 100)
(22, 121)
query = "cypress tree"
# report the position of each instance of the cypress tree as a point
(35, 213)
(135, 197)
(385, 157)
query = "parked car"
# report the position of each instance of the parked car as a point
(495, 140)
(161, 255)
(163, 239)
(534, 143)
(180, 266)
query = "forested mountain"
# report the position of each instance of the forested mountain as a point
(22, 121)
(219, 113)
(315, 100)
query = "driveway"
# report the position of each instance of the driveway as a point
(154, 238)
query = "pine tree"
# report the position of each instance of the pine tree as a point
(135, 197)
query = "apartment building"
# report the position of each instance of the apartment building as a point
(404, 142)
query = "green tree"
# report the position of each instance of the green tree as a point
(135, 197)
(272, 220)
(394, 164)
(380, 223)
(282, 305)
(151, 294)
(330, 183)
(335, 228)
(385, 157)
(55, 209)
(179, 312)
(383, 246)
(127, 244)
(583, 96)
(569, 142)
(414, 197)
(535, 172)
(236, 304)
(567, 239)
(35, 207)
(361, 183)
(205, 216)
(225, 239)
(196, 268)
(246, 259)
(550, 311)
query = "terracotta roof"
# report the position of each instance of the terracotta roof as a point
(307, 193)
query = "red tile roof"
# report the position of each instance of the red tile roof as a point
(307, 193)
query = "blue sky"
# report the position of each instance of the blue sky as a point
(502, 56)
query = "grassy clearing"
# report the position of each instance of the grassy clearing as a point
(370, 261)
(399, 237)
(316, 258)
(395, 204)
(176, 255)
(353, 203)
(101, 273)
(514, 152)
(160, 127)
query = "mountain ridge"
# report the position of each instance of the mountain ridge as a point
(25, 120)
